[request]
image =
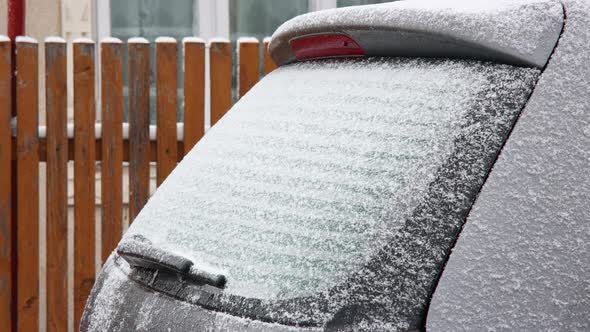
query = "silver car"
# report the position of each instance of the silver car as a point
(415, 165)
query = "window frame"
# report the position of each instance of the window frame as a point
(211, 17)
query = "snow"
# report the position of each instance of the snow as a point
(137, 40)
(246, 40)
(218, 40)
(165, 40)
(193, 40)
(4, 39)
(110, 300)
(55, 39)
(322, 165)
(522, 260)
(26, 39)
(83, 41)
(525, 30)
(123, 305)
(110, 40)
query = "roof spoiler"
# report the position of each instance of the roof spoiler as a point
(517, 32)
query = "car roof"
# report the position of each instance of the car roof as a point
(519, 32)
(521, 261)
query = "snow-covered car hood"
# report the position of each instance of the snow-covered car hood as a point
(519, 32)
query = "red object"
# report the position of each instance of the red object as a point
(16, 18)
(325, 46)
(16, 27)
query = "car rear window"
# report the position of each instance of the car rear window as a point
(322, 163)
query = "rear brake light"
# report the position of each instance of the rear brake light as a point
(325, 46)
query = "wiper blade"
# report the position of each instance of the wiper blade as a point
(138, 251)
(201, 276)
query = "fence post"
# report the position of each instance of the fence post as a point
(194, 91)
(56, 107)
(220, 74)
(27, 141)
(84, 174)
(139, 124)
(112, 144)
(248, 64)
(167, 105)
(268, 63)
(7, 264)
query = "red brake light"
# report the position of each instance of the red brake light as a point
(325, 46)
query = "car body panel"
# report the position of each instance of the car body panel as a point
(522, 261)
(517, 32)
(121, 304)
(385, 154)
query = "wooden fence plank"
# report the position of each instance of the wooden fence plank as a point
(139, 125)
(167, 105)
(112, 144)
(220, 74)
(7, 264)
(248, 64)
(27, 185)
(194, 92)
(98, 144)
(268, 64)
(56, 108)
(84, 174)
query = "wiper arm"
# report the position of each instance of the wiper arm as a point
(140, 252)
(201, 276)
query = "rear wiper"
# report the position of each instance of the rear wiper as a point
(138, 251)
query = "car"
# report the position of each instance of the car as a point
(414, 165)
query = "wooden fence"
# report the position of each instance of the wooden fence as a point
(24, 144)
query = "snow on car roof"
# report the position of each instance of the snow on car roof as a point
(522, 32)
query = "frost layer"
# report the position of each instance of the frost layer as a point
(522, 262)
(307, 187)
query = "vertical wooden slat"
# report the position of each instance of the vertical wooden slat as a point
(166, 106)
(27, 185)
(84, 174)
(220, 73)
(139, 123)
(248, 64)
(268, 64)
(112, 144)
(56, 107)
(194, 92)
(7, 264)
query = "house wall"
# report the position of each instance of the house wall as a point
(2, 17)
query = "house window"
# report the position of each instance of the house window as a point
(151, 19)
(347, 3)
(204, 18)
(260, 18)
